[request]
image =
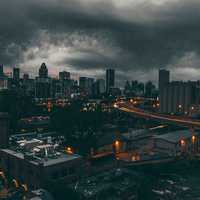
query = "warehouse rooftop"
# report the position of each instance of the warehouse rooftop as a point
(176, 136)
(45, 151)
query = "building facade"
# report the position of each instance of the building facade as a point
(177, 143)
(43, 84)
(4, 130)
(110, 79)
(36, 162)
(86, 85)
(64, 75)
(16, 74)
(164, 78)
(177, 97)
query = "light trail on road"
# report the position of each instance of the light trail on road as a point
(127, 107)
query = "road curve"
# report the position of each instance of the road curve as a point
(129, 108)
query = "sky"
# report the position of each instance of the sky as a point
(135, 37)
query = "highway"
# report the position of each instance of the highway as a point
(183, 121)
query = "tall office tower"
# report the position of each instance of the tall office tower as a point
(82, 82)
(43, 71)
(43, 83)
(99, 87)
(16, 74)
(163, 81)
(64, 75)
(110, 79)
(164, 78)
(1, 70)
(4, 130)
(86, 84)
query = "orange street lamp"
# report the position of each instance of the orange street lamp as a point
(116, 143)
(69, 150)
(193, 138)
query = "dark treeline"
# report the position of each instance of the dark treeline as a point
(17, 105)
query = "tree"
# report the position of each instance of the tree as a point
(150, 89)
(78, 127)
(16, 104)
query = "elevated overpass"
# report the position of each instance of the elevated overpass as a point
(182, 121)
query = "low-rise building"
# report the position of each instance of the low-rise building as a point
(34, 163)
(178, 142)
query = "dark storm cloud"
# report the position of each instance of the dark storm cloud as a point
(129, 35)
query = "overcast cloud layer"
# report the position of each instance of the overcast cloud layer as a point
(136, 37)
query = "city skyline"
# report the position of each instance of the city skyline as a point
(86, 37)
(99, 99)
(76, 76)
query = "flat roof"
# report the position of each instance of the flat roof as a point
(176, 136)
(60, 159)
(42, 160)
(31, 134)
(135, 133)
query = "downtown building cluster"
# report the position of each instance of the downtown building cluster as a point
(45, 87)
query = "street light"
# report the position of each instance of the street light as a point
(193, 138)
(116, 143)
(69, 150)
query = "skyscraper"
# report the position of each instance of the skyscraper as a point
(43, 83)
(43, 71)
(164, 78)
(86, 84)
(99, 87)
(16, 74)
(110, 79)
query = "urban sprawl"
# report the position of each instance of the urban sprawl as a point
(89, 139)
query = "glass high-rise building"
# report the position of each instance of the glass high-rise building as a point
(110, 79)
